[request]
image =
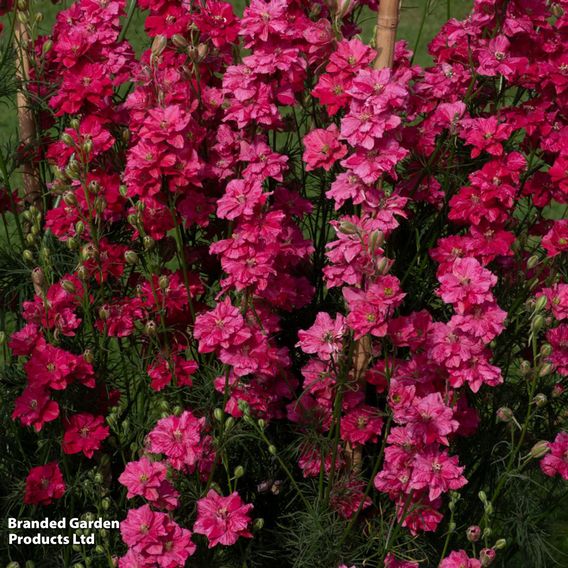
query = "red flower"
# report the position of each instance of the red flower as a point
(84, 433)
(44, 484)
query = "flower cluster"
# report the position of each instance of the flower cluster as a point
(271, 278)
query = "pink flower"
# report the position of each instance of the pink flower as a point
(558, 339)
(459, 559)
(148, 479)
(222, 327)
(556, 462)
(466, 284)
(325, 336)
(485, 134)
(44, 483)
(323, 148)
(222, 519)
(84, 433)
(34, 407)
(154, 540)
(179, 439)
(556, 240)
(241, 198)
(361, 425)
(438, 472)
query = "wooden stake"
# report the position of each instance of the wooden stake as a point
(385, 35)
(385, 40)
(26, 123)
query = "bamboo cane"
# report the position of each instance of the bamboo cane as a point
(26, 123)
(385, 34)
(385, 40)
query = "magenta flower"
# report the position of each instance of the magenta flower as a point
(44, 483)
(84, 433)
(222, 519)
(323, 148)
(556, 462)
(325, 336)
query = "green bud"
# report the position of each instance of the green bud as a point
(537, 323)
(13, 565)
(261, 423)
(239, 472)
(131, 257)
(272, 450)
(540, 304)
(99, 549)
(258, 524)
(218, 414)
(229, 423)
(79, 227)
(486, 532)
(163, 282)
(98, 477)
(88, 146)
(545, 349)
(67, 139)
(29, 564)
(105, 504)
(348, 228)
(540, 449)
(28, 255)
(546, 369)
(540, 400)
(46, 48)
(533, 261)
(148, 242)
(482, 496)
(451, 527)
(500, 544)
(177, 410)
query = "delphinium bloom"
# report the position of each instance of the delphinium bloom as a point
(84, 433)
(223, 520)
(44, 483)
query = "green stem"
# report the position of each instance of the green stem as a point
(129, 15)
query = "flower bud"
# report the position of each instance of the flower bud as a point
(163, 282)
(150, 329)
(177, 410)
(537, 323)
(218, 414)
(99, 549)
(540, 304)
(83, 273)
(29, 564)
(28, 255)
(67, 139)
(377, 239)
(545, 349)
(261, 423)
(525, 368)
(79, 228)
(487, 556)
(72, 243)
(98, 477)
(46, 47)
(557, 390)
(258, 524)
(158, 45)
(500, 544)
(348, 228)
(504, 414)
(13, 565)
(88, 356)
(239, 472)
(131, 257)
(533, 261)
(30, 239)
(540, 400)
(88, 146)
(69, 198)
(383, 265)
(105, 503)
(540, 449)
(104, 312)
(179, 41)
(148, 242)
(546, 369)
(451, 527)
(229, 423)
(473, 533)
(202, 51)
(482, 496)
(68, 286)
(486, 532)
(272, 450)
